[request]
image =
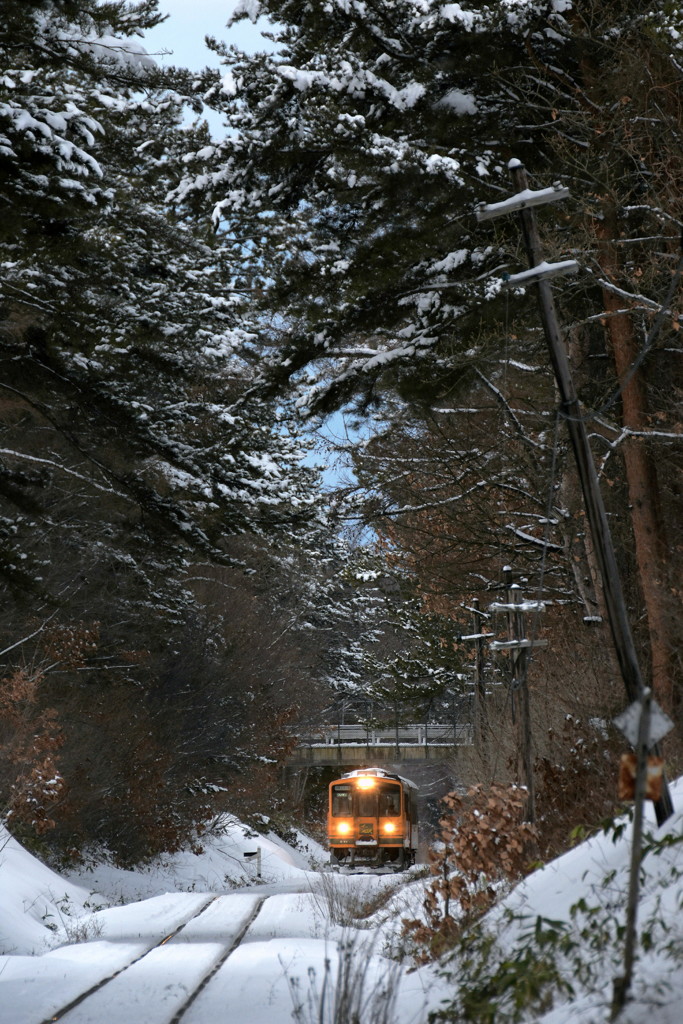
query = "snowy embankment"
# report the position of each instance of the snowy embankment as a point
(31, 896)
(553, 947)
(577, 903)
(141, 959)
(39, 908)
(557, 937)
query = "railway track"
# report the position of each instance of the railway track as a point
(178, 1016)
(152, 966)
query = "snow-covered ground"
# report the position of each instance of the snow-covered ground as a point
(64, 934)
(39, 908)
(276, 942)
(582, 896)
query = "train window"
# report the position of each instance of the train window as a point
(366, 804)
(389, 801)
(341, 801)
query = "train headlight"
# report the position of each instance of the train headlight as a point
(365, 782)
(388, 826)
(343, 828)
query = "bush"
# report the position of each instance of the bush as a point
(30, 782)
(577, 783)
(482, 842)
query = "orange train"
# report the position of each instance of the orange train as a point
(372, 820)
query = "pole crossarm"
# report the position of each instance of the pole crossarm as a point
(521, 201)
(517, 606)
(508, 645)
(543, 272)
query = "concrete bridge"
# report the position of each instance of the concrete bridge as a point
(359, 744)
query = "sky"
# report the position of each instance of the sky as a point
(190, 20)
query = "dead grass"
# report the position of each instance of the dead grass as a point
(342, 901)
(363, 989)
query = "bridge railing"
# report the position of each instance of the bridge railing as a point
(419, 734)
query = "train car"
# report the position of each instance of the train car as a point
(372, 820)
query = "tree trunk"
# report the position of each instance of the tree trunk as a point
(641, 474)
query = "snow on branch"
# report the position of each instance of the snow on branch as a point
(634, 296)
(127, 52)
(530, 539)
(12, 453)
(625, 433)
(30, 636)
(406, 509)
(508, 409)
(655, 211)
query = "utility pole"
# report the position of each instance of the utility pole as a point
(622, 984)
(480, 710)
(540, 273)
(643, 723)
(519, 645)
(520, 664)
(480, 721)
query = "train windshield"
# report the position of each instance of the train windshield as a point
(389, 801)
(342, 801)
(383, 802)
(366, 803)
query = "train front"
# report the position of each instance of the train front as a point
(367, 821)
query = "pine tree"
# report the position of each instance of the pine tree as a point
(350, 160)
(124, 337)
(134, 458)
(357, 155)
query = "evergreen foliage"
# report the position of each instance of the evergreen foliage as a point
(133, 459)
(359, 152)
(168, 300)
(357, 156)
(120, 325)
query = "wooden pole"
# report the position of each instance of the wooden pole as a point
(480, 710)
(595, 509)
(520, 664)
(623, 983)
